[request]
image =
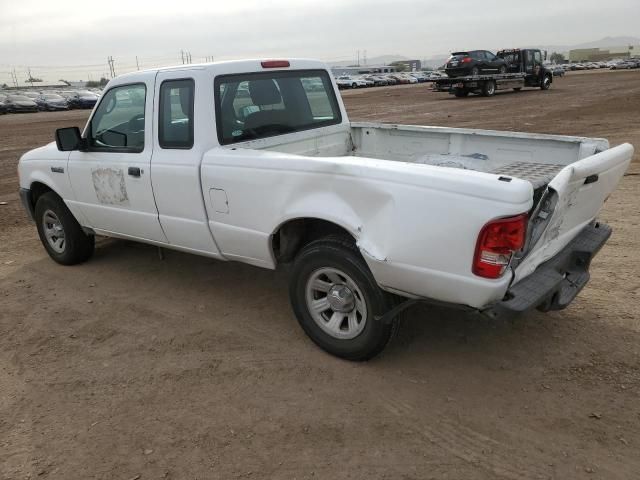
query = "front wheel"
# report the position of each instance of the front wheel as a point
(546, 83)
(336, 300)
(60, 233)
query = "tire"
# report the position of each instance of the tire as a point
(336, 265)
(517, 89)
(53, 217)
(546, 83)
(488, 88)
(353, 85)
(461, 93)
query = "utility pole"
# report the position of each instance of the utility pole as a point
(365, 58)
(190, 58)
(112, 70)
(358, 55)
(182, 55)
(137, 64)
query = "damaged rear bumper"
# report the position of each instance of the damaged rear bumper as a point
(555, 283)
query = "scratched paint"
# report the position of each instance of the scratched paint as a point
(110, 186)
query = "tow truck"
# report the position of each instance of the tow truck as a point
(525, 69)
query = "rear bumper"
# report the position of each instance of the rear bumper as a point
(458, 71)
(555, 283)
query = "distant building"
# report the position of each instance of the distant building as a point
(362, 70)
(412, 65)
(603, 54)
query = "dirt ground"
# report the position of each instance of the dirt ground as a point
(132, 367)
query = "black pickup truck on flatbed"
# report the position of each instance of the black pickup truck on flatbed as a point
(525, 68)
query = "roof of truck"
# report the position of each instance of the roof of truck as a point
(235, 66)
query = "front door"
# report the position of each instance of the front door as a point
(111, 180)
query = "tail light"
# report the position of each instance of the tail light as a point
(466, 60)
(497, 242)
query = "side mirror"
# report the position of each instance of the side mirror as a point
(68, 139)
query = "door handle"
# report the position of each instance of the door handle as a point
(134, 171)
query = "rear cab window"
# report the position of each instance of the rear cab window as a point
(258, 105)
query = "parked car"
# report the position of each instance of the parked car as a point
(82, 99)
(20, 103)
(377, 81)
(366, 81)
(435, 75)
(419, 76)
(51, 102)
(557, 70)
(399, 78)
(473, 63)
(626, 65)
(346, 81)
(372, 217)
(3, 108)
(31, 95)
(390, 79)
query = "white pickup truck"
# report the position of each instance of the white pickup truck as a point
(256, 162)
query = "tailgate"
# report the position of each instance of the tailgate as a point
(573, 199)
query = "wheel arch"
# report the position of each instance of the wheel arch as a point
(291, 235)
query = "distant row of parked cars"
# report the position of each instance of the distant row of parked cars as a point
(32, 101)
(611, 65)
(384, 79)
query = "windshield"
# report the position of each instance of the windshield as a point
(52, 97)
(19, 98)
(258, 105)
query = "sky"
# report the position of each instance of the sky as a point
(72, 39)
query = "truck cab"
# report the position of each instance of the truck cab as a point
(529, 61)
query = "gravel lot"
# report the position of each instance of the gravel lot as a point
(132, 367)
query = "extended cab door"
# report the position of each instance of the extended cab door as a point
(184, 129)
(111, 180)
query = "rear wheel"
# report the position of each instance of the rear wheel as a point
(354, 85)
(336, 299)
(489, 88)
(60, 233)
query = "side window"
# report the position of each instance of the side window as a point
(118, 124)
(175, 121)
(489, 56)
(537, 58)
(476, 55)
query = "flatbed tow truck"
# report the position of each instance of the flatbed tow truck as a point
(525, 69)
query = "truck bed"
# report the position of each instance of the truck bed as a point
(536, 158)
